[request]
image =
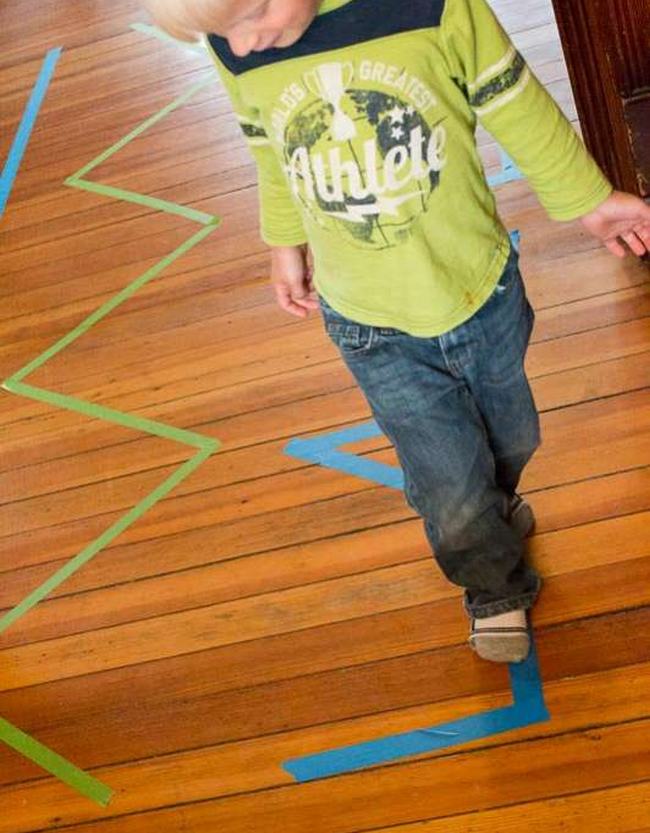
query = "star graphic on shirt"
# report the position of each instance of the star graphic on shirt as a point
(396, 115)
(397, 132)
(410, 110)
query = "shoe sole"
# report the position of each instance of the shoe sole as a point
(501, 650)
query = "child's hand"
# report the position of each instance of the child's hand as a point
(621, 216)
(291, 276)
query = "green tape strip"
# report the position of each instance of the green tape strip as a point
(149, 426)
(206, 445)
(55, 764)
(143, 199)
(110, 305)
(104, 539)
(146, 29)
(13, 737)
(141, 128)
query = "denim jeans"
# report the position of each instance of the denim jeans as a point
(460, 413)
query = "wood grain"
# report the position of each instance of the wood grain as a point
(268, 607)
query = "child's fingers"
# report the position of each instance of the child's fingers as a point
(615, 247)
(304, 305)
(635, 244)
(285, 302)
(643, 232)
(297, 310)
(308, 302)
(302, 293)
(291, 303)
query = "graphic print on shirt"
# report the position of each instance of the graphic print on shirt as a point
(364, 162)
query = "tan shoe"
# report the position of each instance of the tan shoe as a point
(498, 643)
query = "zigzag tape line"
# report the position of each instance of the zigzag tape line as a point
(9, 734)
(53, 763)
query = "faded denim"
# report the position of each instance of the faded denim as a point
(460, 413)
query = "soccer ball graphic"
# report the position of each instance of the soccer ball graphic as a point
(364, 164)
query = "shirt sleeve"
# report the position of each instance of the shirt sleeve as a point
(515, 108)
(280, 221)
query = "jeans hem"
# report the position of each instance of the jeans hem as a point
(522, 602)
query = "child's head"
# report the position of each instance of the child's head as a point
(248, 25)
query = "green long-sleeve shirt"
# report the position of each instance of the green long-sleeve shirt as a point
(364, 137)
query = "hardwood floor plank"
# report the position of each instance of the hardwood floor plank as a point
(384, 563)
(624, 339)
(600, 380)
(482, 781)
(621, 809)
(269, 608)
(615, 423)
(594, 326)
(297, 609)
(408, 538)
(219, 696)
(220, 771)
(565, 506)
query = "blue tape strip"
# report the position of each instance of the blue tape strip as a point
(27, 122)
(323, 449)
(509, 171)
(528, 707)
(528, 697)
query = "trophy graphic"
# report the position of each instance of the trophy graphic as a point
(329, 82)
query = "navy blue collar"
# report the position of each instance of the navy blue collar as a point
(358, 21)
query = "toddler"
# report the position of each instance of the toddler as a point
(361, 116)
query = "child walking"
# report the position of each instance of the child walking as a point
(361, 116)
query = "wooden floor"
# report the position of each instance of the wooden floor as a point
(268, 608)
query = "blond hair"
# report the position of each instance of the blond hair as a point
(187, 20)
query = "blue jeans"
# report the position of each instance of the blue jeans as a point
(460, 413)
